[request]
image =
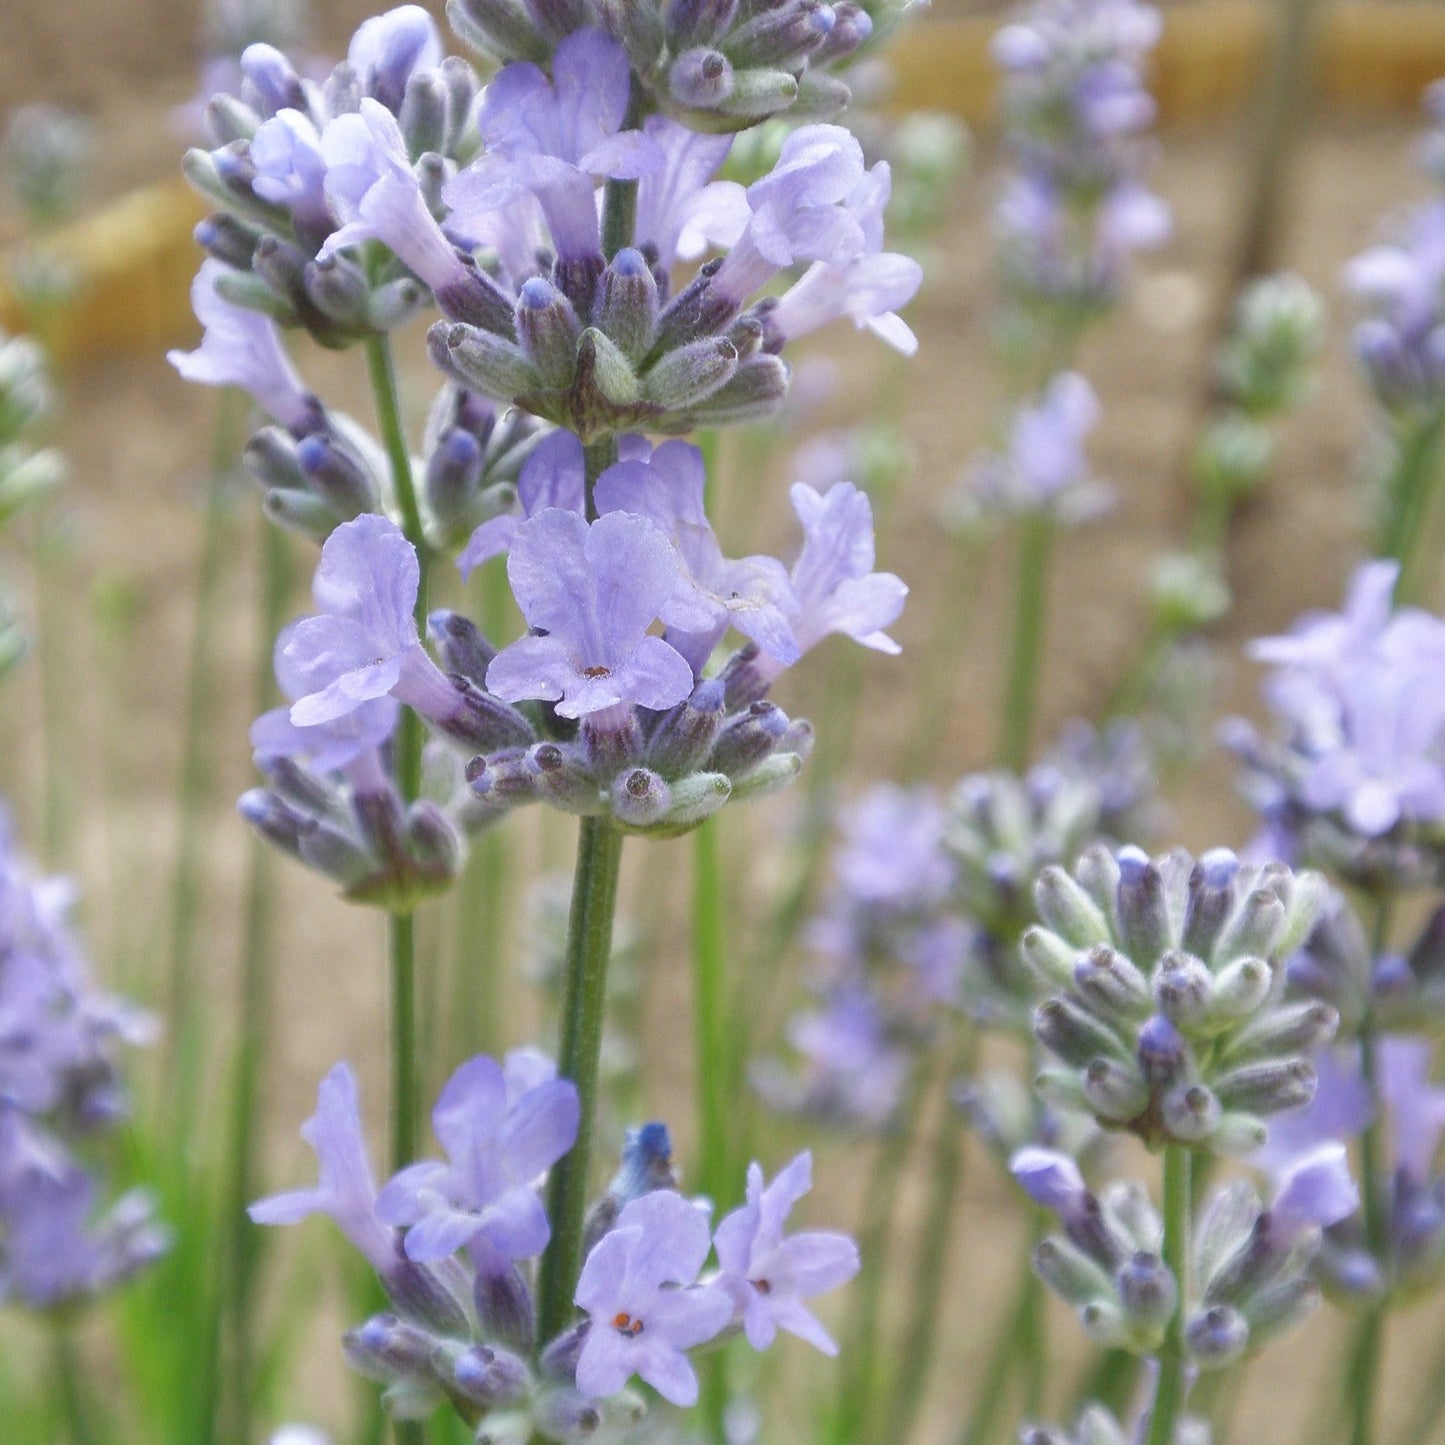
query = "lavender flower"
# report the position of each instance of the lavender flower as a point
(502, 1128)
(769, 1276)
(1357, 777)
(241, 348)
(553, 139)
(638, 1287)
(593, 591)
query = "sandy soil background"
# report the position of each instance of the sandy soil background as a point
(124, 559)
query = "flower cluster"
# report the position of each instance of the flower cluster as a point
(1400, 342)
(1355, 779)
(453, 1245)
(1074, 107)
(1165, 1004)
(1250, 1265)
(59, 1090)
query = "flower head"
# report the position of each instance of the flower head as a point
(769, 1276)
(638, 1287)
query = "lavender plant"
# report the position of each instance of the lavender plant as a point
(347, 206)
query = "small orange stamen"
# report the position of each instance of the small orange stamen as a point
(761, 1285)
(596, 672)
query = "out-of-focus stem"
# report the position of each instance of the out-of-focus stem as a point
(1036, 538)
(1172, 1385)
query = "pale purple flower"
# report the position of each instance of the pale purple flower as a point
(346, 1190)
(1416, 1106)
(892, 854)
(811, 206)
(291, 171)
(554, 139)
(1359, 698)
(868, 286)
(328, 746)
(835, 586)
(1314, 1189)
(502, 1129)
(680, 209)
(364, 643)
(751, 593)
(388, 49)
(637, 1286)
(242, 348)
(375, 194)
(768, 1275)
(591, 592)
(553, 475)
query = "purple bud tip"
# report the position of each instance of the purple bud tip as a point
(822, 20)
(537, 293)
(461, 448)
(312, 453)
(1159, 1039)
(1132, 862)
(654, 1141)
(545, 758)
(1218, 865)
(1391, 976)
(477, 776)
(770, 717)
(1048, 1178)
(254, 805)
(629, 262)
(709, 695)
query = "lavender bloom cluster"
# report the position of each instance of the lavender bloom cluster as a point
(60, 1090)
(1075, 108)
(1354, 778)
(1250, 1265)
(454, 1245)
(1166, 1006)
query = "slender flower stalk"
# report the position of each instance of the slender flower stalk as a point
(1036, 538)
(1172, 1385)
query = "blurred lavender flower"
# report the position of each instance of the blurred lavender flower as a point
(1357, 777)
(1043, 469)
(1074, 110)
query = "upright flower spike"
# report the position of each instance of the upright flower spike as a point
(1164, 979)
(769, 1276)
(638, 1287)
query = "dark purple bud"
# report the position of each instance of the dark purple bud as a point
(465, 651)
(433, 843)
(472, 297)
(611, 742)
(1209, 900)
(1218, 1336)
(1075, 1035)
(781, 38)
(547, 330)
(228, 239)
(423, 114)
(1143, 910)
(505, 1308)
(388, 1348)
(748, 738)
(491, 1378)
(627, 304)
(336, 475)
(698, 22)
(852, 25)
(696, 311)
(503, 778)
(453, 473)
(1161, 1049)
(272, 819)
(684, 736)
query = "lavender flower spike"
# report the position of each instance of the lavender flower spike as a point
(768, 1276)
(241, 348)
(591, 593)
(346, 1190)
(502, 1128)
(364, 644)
(637, 1287)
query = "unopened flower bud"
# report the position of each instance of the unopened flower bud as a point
(1077, 1036)
(1217, 1336)
(1115, 1093)
(627, 304)
(423, 114)
(1266, 1088)
(691, 373)
(490, 1377)
(338, 477)
(547, 330)
(481, 360)
(684, 736)
(700, 79)
(464, 650)
(640, 797)
(564, 778)
(1148, 1294)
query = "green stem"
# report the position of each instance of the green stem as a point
(242, 1240)
(184, 1019)
(619, 215)
(589, 946)
(713, 1045)
(1365, 1363)
(931, 1263)
(1036, 536)
(1406, 494)
(80, 1420)
(1173, 1384)
(405, 1062)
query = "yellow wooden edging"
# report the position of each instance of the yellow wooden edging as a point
(133, 262)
